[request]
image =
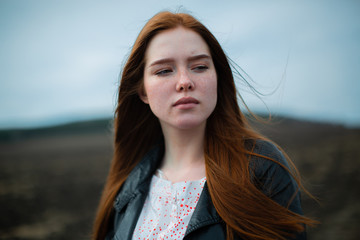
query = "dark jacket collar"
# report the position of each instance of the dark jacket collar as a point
(138, 182)
(204, 214)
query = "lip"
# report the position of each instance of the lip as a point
(185, 101)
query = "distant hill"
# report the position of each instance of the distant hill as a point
(82, 127)
(293, 126)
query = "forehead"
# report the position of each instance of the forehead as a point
(176, 43)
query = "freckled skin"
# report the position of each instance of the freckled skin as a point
(179, 77)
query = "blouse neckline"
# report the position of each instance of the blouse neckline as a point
(162, 177)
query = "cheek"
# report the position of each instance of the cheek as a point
(212, 92)
(148, 89)
(213, 86)
(210, 86)
(156, 93)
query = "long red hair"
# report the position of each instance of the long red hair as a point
(246, 210)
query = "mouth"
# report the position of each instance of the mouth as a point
(185, 101)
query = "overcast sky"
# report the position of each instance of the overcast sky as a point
(60, 60)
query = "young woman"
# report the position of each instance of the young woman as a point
(186, 163)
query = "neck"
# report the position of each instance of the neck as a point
(184, 154)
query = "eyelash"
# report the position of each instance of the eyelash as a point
(162, 72)
(200, 68)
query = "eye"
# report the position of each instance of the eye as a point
(201, 68)
(163, 72)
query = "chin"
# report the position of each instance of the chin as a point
(189, 124)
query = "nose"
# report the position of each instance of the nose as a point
(184, 83)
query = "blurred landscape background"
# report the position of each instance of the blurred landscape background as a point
(51, 178)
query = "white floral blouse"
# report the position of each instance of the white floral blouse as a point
(167, 209)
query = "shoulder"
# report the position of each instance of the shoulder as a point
(271, 173)
(268, 150)
(267, 156)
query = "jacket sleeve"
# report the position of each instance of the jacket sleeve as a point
(274, 180)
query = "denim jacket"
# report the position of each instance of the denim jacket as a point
(205, 223)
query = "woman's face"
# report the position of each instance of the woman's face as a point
(180, 80)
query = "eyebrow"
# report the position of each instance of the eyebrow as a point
(192, 58)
